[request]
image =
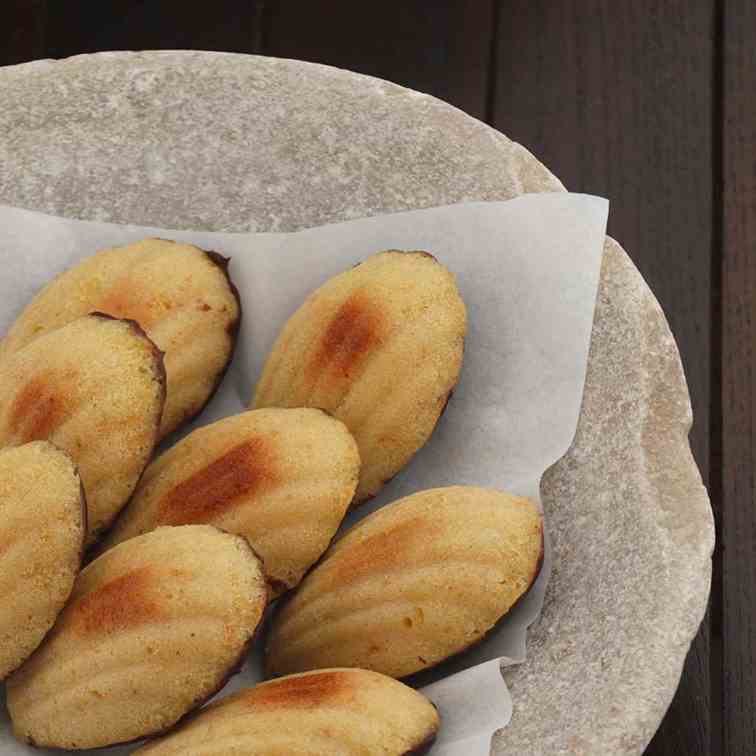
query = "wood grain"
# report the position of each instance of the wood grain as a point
(81, 26)
(616, 98)
(444, 51)
(22, 30)
(739, 378)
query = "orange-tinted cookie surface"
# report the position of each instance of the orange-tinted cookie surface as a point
(42, 526)
(96, 389)
(179, 294)
(380, 347)
(282, 478)
(153, 628)
(412, 584)
(339, 712)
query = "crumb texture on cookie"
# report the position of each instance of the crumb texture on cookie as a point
(412, 584)
(349, 712)
(282, 478)
(380, 347)
(42, 526)
(179, 294)
(128, 601)
(153, 628)
(245, 470)
(96, 389)
(358, 327)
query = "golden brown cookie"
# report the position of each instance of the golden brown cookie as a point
(282, 478)
(412, 584)
(42, 527)
(154, 627)
(180, 295)
(344, 712)
(380, 347)
(96, 389)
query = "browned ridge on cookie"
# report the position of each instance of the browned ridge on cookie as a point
(153, 628)
(96, 389)
(412, 584)
(127, 601)
(244, 471)
(380, 347)
(357, 327)
(282, 478)
(327, 687)
(384, 552)
(182, 296)
(41, 406)
(42, 529)
(345, 711)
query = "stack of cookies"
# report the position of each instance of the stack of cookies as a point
(186, 550)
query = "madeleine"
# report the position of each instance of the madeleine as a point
(180, 295)
(42, 527)
(96, 389)
(412, 584)
(379, 347)
(344, 711)
(282, 478)
(154, 627)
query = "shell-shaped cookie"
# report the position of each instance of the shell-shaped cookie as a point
(96, 389)
(282, 478)
(154, 627)
(180, 295)
(350, 712)
(42, 526)
(380, 347)
(412, 584)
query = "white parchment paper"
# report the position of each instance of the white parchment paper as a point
(528, 270)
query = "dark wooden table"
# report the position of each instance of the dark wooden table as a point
(651, 103)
